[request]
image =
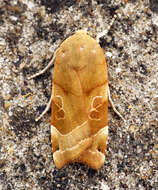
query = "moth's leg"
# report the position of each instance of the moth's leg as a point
(113, 106)
(103, 33)
(46, 68)
(39, 73)
(46, 109)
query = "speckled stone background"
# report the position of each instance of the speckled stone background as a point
(30, 31)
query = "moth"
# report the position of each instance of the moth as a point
(79, 102)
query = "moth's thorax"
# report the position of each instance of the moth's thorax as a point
(80, 51)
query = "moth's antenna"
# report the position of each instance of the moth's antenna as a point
(103, 33)
(113, 106)
(46, 68)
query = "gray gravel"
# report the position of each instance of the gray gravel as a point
(30, 31)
